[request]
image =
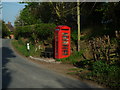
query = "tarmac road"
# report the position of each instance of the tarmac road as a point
(17, 72)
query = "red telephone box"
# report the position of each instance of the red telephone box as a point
(62, 42)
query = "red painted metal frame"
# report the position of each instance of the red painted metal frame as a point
(59, 49)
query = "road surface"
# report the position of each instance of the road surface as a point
(17, 72)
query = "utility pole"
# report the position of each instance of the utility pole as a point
(78, 23)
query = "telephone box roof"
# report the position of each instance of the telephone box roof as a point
(63, 27)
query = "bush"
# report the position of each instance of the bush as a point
(5, 30)
(105, 73)
(20, 41)
(41, 31)
(74, 36)
(45, 31)
(86, 64)
(100, 67)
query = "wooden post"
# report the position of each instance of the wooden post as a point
(78, 22)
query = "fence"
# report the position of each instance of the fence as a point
(103, 49)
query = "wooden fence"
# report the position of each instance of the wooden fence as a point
(103, 49)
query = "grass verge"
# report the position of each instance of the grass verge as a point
(20, 46)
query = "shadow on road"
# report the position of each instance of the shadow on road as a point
(75, 84)
(6, 74)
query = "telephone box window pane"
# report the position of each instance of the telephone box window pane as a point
(65, 51)
(65, 48)
(65, 33)
(65, 42)
(64, 29)
(65, 39)
(57, 29)
(65, 45)
(65, 36)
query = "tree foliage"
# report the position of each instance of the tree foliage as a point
(5, 30)
(50, 12)
(36, 32)
(99, 16)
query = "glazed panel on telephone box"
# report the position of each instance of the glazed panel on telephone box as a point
(62, 42)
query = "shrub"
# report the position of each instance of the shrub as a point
(105, 73)
(20, 41)
(41, 31)
(74, 36)
(100, 67)
(86, 64)
(44, 31)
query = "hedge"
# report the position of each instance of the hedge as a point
(40, 31)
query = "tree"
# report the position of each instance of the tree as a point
(5, 30)
(26, 17)
(54, 12)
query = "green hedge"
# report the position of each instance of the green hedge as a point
(40, 31)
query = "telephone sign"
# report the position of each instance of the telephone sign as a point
(62, 42)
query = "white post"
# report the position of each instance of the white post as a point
(28, 46)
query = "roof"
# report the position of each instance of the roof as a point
(11, 28)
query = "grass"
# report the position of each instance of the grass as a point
(20, 46)
(72, 73)
(73, 58)
(76, 69)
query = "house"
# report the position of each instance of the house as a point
(11, 29)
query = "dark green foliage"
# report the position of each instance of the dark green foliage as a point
(45, 30)
(107, 74)
(26, 18)
(36, 32)
(86, 64)
(20, 41)
(102, 17)
(100, 67)
(5, 30)
(74, 36)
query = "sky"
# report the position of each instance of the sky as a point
(10, 11)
